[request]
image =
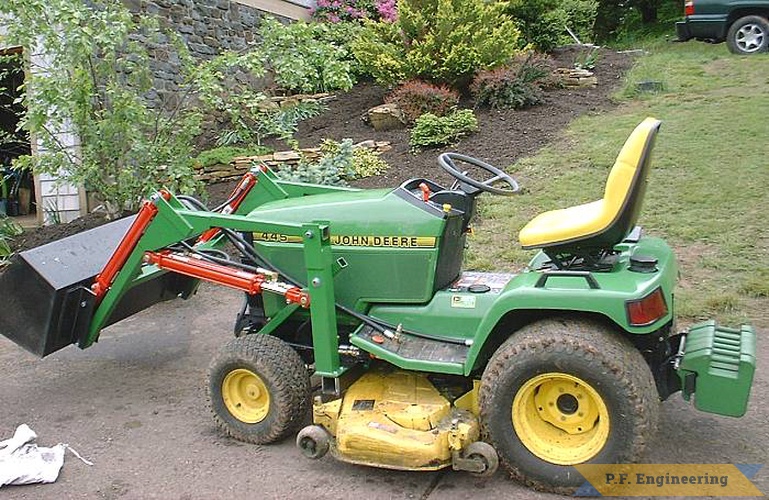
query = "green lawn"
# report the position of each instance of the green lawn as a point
(708, 186)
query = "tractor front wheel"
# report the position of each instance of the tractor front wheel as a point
(258, 389)
(559, 393)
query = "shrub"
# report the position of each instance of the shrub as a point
(333, 167)
(336, 11)
(339, 162)
(416, 98)
(304, 57)
(517, 85)
(581, 16)
(431, 130)
(543, 22)
(442, 41)
(300, 57)
(365, 161)
(388, 10)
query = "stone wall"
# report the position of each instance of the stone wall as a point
(242, 164)
(208, 27)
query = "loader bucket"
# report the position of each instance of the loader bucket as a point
(46, 303)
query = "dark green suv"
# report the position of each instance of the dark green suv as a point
(744, 24)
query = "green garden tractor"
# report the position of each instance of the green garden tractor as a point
(360, 329)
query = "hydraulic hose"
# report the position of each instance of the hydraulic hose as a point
(250, 252)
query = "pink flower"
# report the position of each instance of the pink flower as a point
(388, 10)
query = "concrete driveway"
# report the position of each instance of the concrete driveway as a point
(134, 404)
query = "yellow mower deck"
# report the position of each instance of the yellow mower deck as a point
(397, 420)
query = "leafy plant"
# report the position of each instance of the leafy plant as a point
(300, 57)
(249, 115)
(332, 168)
(339, 162)
(388, 10)
(93, 84)
(587, 58)
(304, 57)
(432, 130)
(517, 85)
(365, 161)
(416, 98)
(225, 154)
(442, 41)
(543, 23)
(9, 229)
(336, 11)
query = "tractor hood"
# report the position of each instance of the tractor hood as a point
(382, 212)
(391, 245)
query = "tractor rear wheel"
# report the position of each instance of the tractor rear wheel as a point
(258, 389)
(559, 393)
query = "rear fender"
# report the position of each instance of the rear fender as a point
(602, 294)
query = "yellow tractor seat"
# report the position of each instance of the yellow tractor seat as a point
(601, 224)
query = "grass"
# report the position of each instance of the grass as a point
(707, 187)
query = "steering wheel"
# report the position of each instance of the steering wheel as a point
(446, 161)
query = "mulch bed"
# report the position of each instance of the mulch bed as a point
(504, 135)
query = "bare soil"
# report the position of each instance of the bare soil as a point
(503, 137)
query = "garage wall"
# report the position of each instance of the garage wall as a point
(55, 200)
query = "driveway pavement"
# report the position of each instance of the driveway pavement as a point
(134, 404)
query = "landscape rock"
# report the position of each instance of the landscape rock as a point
(386, 117)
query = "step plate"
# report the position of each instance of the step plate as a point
(415, 348)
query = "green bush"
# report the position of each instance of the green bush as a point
(442, 41)
(300, 57)
(339, 162)
(543, 22)
(365, 161)
(416, 98)
(334, 166)
(516, 85)
(431, 130)
(306, 57)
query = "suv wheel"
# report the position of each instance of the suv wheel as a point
(748, 35)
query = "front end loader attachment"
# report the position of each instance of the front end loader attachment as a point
(46, 292)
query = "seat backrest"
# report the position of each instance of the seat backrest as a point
(626, 185)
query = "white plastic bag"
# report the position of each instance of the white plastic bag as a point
(24, 462)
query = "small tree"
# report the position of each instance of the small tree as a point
(93, 82)
(543, 23)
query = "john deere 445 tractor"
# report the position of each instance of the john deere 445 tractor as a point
(360, 329)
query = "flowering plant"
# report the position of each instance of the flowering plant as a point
(336, 11)
(388, 10)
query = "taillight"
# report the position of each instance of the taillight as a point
(689, 7)
(647, 310)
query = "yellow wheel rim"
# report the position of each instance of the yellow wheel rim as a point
(560, 418)
(245, 396)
